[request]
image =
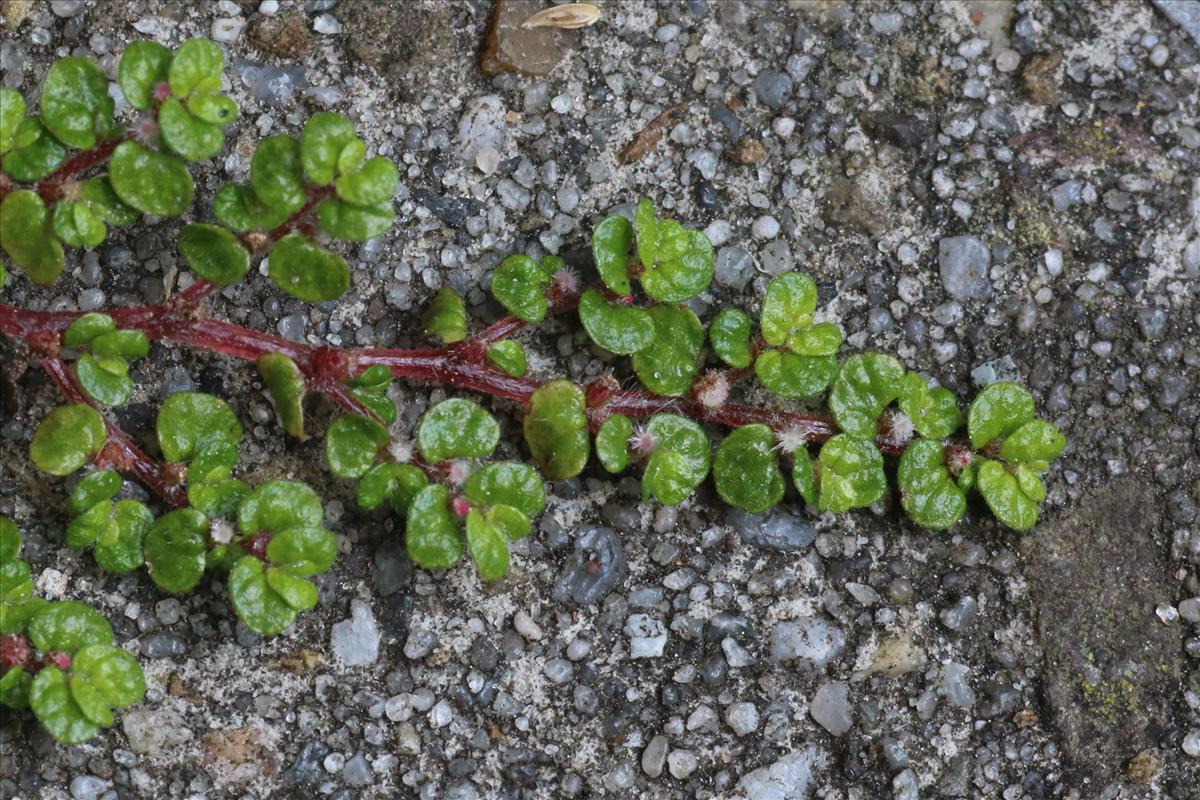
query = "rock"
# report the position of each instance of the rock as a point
(733, 267)
(285, 35)
(395, 41)
(355, 641)
(595, 566)
(1184, 13)
(682, 763)
(655, 756)
(307, 767)
(647, 636)
(88, 787)
(742, 717)
(1144, 766)
(895, 655)
(746, 152)
(14, 12)
(482, 125)
(902, 130)
(956, 687)
(786, 779)
(811, 639)
(151, 731)
(773, 88)
(777, 529)
(963, 262)
(509, 47)
(240, 754)
(831, 709)
(905, 786)
(1111, 670)
(1039, 77)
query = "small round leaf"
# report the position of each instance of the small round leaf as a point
(175, 549)
(374, 183)
(488, 546)
(354, 223)
(144, 65)
(278, 505)
(432, 537)
(612, 442)
(998, 411)
(196, 67)
(307, 271)
(793, 376)
(1036, 440)
(616, 327)
(191, 423)
(324, 137)
(352, 444)
(275, 174)
(509, 357)
(187, 135)
(103, 381)
(611, 240)
(746, 469)
(934, 412)
(55, 707)
(679, 460)
(26, 235)
(446, 316)
(303, 551)
(457, 428)
(927, 491)
(96, 487)
(285, 383)
(851, 473)
(151, 182)
(397, 483)
(668, 366)
(1005, 497)
(866, 385)
(683, 266)
(67, 439)
(730, 337)
(556, 429)
(258, 606)
(787, 307)
(75, 102)
(519, 284)
(68, 626)
(507, 483)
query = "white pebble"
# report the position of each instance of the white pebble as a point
(524, 625)
(327, 23)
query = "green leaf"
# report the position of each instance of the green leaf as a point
(683, 266)
(153, 183)
(616, 327)
(509, 357)
(96, 487)
(730, 337)
(645, 225)
(351, 156)
(611, 240)
(240, 209)
(746, 469)
(10, 540)
(927, 490)
(446, 316)
(275, 174)
(67, 439)
(397, 483)
(679, 460)
(144, 65)
(103, 381)
(612, 442)
(196, 67)
(98, 195)
(85, 528)
(851, 473)
(1030, 482)
(303, 551)
(77, 226)
(432, 537)
(556, 429)
(1005, 497)
(352, 444)
(519, 284)
(84, 329)
(278, 505)
(75, 102)
(191, 423)
(214, 253)
(487, 545)
(794, 376)
(120, 344)
(119, 547)
(822, 339)
(323, 139)
(374, 183)
(14, 688)
(189, 136)
(669, 365)
(934, 412)
(112, 674)
(215, 108)
(507, 483)
(307, 271)
(867, 384)
(998, 411)
(68, 626)
(218, 499)
(56, 709)
(371, 389)
(1036, 440)
(297, 592)
(12, 111)
(27, 237)
(285, 383)
(456, 428)
(35, 152)
(258, 606)
(175, 549)
(511, 522)
(787, 308)
(805, 477)
(354, 223)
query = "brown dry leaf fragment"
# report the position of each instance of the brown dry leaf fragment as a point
(571, 16)
(649, 136)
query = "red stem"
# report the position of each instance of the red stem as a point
(119, 452)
